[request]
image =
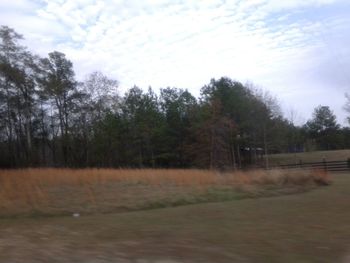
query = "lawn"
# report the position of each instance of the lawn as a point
(317, 156)
(307, 227)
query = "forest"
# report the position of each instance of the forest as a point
(50, 119)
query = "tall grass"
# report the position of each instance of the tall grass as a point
(55, 191)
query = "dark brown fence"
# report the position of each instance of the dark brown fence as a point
(330, 166)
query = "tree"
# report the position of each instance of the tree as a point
(9, 50)
(347, 106)
(58, 87)
(178, 107)
(212, 138)
(323, 128)
(144, 120)
(96, 104)
(248, 110)
(323, 120)
(18, 68)
(48, 118)
(102, 92)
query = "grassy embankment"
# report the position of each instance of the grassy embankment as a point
(33, 192)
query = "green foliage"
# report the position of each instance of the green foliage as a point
(178, 107)
(323, 120)
(323, 128)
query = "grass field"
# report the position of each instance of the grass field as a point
(52, 192)
(307, 227)
(318, 156)
(310, 226)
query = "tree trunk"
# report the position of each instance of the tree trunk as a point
(266, 151)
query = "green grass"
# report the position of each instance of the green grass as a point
(308, 227)
(318, 156)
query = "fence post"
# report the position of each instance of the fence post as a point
(325, 165)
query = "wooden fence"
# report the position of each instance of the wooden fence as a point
(329, 166)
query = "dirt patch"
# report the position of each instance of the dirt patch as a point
(346, 258)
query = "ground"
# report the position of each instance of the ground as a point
(309, 227)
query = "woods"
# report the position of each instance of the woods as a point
(48, 118)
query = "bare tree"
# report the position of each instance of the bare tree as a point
(347, 106)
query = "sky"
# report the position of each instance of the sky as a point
(298, 50)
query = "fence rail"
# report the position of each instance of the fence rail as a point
(329, 166)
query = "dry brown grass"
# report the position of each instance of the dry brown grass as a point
(64, 191)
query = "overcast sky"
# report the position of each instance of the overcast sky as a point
(299, 50)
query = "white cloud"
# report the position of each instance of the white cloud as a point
(185, 43)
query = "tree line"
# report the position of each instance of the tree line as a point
(48, 118)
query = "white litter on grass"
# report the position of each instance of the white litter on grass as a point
(76, 215)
